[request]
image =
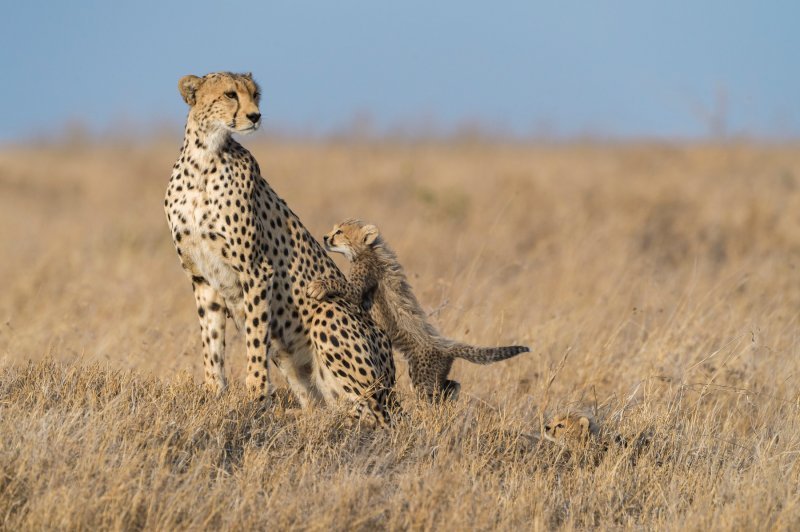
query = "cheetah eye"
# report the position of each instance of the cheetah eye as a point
(256, 95)
(547, 428)
(232, 95)
(560, 426)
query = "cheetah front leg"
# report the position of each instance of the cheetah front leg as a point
(211, 310)
(257, 316)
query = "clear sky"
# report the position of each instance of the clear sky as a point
(668, 69)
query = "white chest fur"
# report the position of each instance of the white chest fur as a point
(196, 221)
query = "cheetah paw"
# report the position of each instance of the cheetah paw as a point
(316, 290)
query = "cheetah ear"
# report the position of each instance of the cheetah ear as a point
(371, 234)
(584, 423)
(188, 86)
(248, 75)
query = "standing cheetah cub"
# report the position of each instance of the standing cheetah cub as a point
(379, 285)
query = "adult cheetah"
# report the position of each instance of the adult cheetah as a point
(249, 257)
(378, 283)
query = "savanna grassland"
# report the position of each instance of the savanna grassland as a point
(656, 284)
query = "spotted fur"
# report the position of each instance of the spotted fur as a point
(249, 257)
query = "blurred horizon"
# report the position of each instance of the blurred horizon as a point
(360, 130)
(612, 70)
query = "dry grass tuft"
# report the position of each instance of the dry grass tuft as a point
(656, 285)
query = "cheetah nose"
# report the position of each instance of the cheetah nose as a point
(254, 117)
(325, 239)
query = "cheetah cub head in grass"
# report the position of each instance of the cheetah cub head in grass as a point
(351, 238)
(222, 102)
(571, 428)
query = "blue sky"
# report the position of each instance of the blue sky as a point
(624, 69)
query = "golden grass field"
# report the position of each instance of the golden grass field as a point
(656, 284)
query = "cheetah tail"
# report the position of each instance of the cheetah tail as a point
(486, 355)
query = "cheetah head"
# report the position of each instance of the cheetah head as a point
(571, 428)
(222, 102)
(352, 237)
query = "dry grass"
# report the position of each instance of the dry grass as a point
(666, 274)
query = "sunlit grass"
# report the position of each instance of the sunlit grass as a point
(664, 278)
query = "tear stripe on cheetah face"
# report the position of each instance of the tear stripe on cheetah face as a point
(222, 103)
(249, 256)
(379, 284)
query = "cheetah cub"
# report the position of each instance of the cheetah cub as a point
(379, 285)
(571, 428)
(580, 430)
